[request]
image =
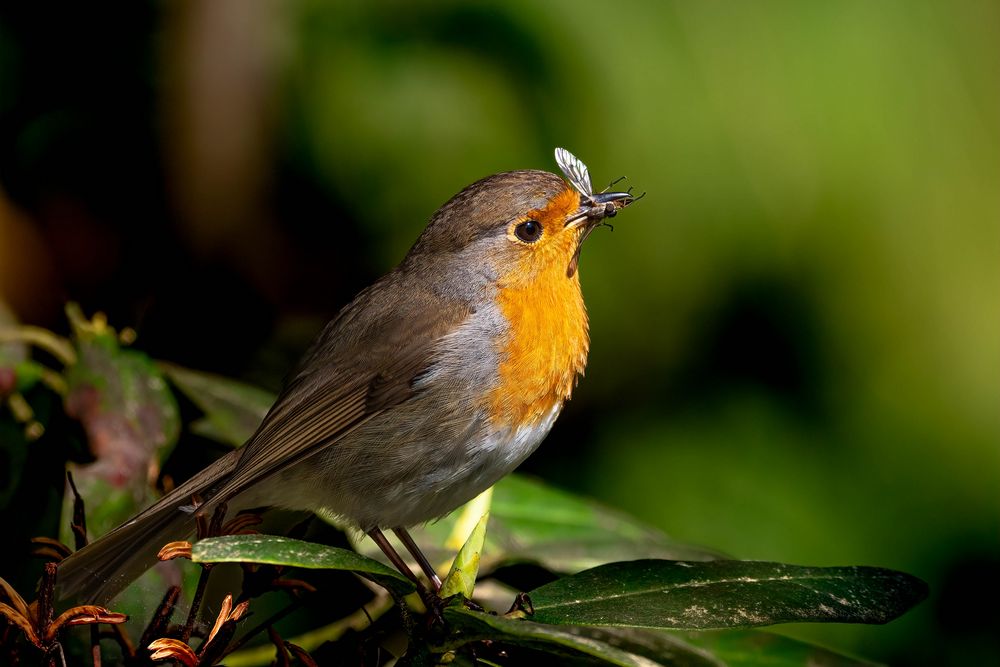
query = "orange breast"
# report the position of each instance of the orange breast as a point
(545, 349)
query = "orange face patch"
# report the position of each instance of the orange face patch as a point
(545, 348)
(560, 207)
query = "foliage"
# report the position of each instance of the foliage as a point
(607, 589)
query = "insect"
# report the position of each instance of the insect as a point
(595, 207)
(599, 205)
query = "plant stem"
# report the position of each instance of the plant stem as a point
(196, 602)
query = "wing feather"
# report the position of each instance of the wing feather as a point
(361, 367)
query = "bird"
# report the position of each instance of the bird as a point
(426, 389)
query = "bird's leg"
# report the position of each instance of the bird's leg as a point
(383, 543)
(431, 600)
(422, 561)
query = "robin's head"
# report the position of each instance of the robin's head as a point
(522, 222)
(510, 245)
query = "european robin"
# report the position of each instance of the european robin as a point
(431, 385)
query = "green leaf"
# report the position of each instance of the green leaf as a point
(752, 648)
(274, 550)
(129, 415)
(635, 646)
(733, 648)
(462, 576)
(572, 532)
(724, 594)
(123, 402)
(531, 521)
(233, 410)
(468, 626)
(28, 373)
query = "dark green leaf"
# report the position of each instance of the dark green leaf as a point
(724, 594)
(233, 410)
(733, 648)
(130, 418)
(122, 400)
(468, 626)
(274, 550)
(752, 648)
(630, 646)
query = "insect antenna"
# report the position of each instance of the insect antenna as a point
(614, 183)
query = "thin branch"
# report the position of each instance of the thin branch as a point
(199, 593)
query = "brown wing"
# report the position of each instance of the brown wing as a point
(364, 363)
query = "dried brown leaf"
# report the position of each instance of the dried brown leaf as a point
(241, 523)
(22, 622)
(173, 649)
(16, 601)
(82, 615)
(48, 547)
(227, 605)
(172, 550)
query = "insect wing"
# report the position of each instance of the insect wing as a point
(575, 171)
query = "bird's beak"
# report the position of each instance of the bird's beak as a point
(597, 207)
(593, 210)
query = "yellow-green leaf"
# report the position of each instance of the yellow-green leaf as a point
(462, 576)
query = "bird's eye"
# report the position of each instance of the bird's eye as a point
(528, 231)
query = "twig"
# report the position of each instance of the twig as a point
(359, 620)
(206, 569)
(95, 646)
(79, 525)
(160, 622)
(301, 654)
(281, 657)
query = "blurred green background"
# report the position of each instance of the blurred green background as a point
(796, 334)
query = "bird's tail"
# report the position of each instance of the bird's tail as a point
(99, 571)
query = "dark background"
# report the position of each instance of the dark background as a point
(795, 335)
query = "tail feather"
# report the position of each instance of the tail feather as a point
(101, 570)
